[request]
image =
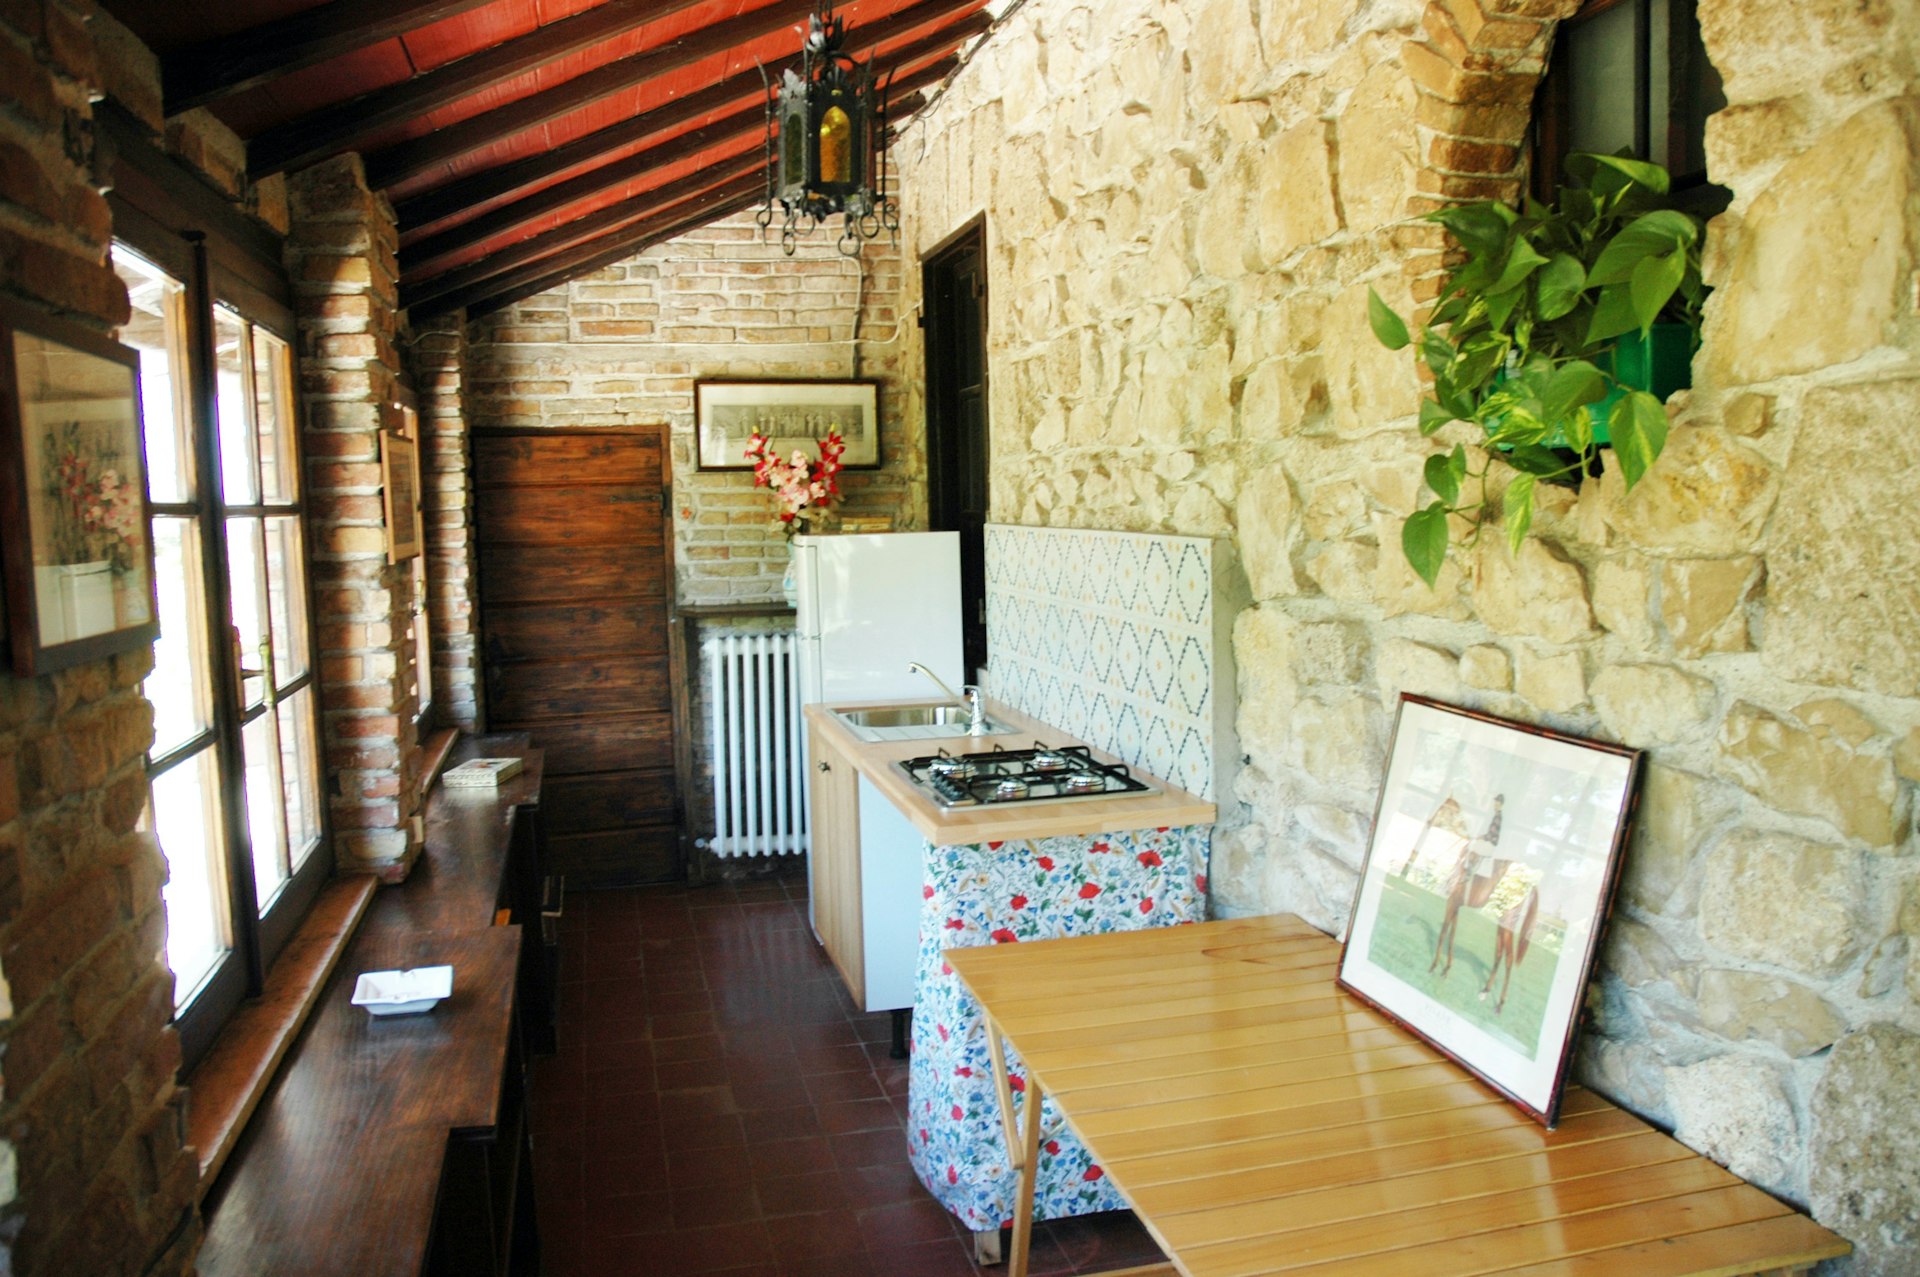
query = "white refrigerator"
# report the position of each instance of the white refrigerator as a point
(870, 604)
(867, 605)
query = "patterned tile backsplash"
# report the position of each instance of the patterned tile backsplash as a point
(1120, 638)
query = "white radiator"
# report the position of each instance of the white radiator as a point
(759, 780)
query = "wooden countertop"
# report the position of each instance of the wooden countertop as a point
(1169, 807)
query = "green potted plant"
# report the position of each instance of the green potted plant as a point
(1561, 331)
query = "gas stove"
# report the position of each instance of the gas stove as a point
(1041, 774)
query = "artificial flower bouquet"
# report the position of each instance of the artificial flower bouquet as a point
(804, 486)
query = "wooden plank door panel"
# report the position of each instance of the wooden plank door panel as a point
(575, 559)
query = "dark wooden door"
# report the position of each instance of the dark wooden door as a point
(954, 277)
(576, 576)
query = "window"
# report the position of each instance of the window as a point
(1630, 75)
(420, 634)
(235, 764)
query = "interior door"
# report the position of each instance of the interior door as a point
(954, 277)
(576, 576)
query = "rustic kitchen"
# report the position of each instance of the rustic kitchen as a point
(932, 637)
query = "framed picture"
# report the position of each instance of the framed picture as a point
(78, 548)
(794, 414)
(400, 491)
(1486, 889)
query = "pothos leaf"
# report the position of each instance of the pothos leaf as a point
(1639, 427)
(1433, 416)
(1651, 176)
(1437, 351)
(1612, 315)
(1654, 281)
(1533, 459)
(1441, 478)
(1388, 327)
(1661, 231)
(1559, 284)
(1521, 262)
(1517, 506)
(1424, 541)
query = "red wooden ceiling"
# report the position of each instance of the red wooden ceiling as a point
(298, 80)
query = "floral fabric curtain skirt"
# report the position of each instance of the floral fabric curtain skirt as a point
(1004, 893)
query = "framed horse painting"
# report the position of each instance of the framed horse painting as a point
(1486, 889)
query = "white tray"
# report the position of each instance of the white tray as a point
(402, 992)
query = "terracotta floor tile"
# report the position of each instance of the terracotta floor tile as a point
(719, 1105)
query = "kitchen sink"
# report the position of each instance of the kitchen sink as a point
(910, 722)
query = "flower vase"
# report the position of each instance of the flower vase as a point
(788, 586)
(74, 600)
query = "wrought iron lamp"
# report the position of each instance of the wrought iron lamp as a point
(825, 126)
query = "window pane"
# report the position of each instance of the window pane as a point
(180, 686)
(1600, 82)
(287, 596)
(230, 363)
(273, 415)
(300, 766)
(422, 634)
(185, 819)
(157, 330)
(260, 745)
(248, 587)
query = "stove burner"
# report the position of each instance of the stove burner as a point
(1042, 774)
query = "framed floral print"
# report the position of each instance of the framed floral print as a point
(1486, 889)
(78, 550)
(400, 494)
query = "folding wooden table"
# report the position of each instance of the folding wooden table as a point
(1259, 1120)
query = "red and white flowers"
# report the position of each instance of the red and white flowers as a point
(804, 486)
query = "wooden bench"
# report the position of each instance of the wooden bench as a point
(1259, 1120)
(399, 1145)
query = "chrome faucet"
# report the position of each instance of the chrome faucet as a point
(971, 697)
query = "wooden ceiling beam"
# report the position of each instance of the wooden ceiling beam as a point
(669, 219)
(535, 247)
(407, 159)
(346, 125)
(488, 303)
(213, 69)
(462, 193)
(748, 121)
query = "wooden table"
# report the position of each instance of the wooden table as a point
(1259, 1120)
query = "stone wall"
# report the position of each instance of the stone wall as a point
(1186, 204)
(94, 1175)
(341, 256)
(625, 345)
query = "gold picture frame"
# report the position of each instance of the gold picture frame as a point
(400, 494)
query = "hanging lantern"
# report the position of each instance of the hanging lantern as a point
(825, 123)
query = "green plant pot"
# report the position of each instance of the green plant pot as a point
(1660, 363)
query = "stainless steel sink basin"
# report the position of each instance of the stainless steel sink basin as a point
(910, 722)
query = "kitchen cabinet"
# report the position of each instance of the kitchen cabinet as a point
(866, 880)
(834, 787)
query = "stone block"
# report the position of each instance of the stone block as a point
(1339, 740)
(1709, 495)
(1864, 1148)
(1812, 773)
(1640, 955)
(1377, 150)
(1813, 271)
(1703, 603)
(1536, 593)
(1736, 1110)
(1486, 667)
(1775, 898)
(1739, 1005)
(1841, 606)
(1644, 705)
(1402, 665)
(1555, 682)
(1623, 596)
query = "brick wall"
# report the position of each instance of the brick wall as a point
(94, 1178)
(341, 256)
(625, 345)
(438, 360)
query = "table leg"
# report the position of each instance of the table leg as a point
(1023, 1148)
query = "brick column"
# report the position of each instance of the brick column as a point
(94, 1176)
(438, 358)
(341, 256)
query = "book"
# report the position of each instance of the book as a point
(481, 773)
